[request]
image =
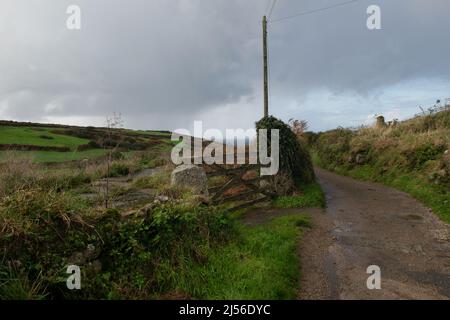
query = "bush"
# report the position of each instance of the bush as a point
(119, 169)
(45, 137)
(332, 146)
(94, 145)
(137, 257)
(31, 211)
(417, 157)
(151, 160)
(42, 229)
(83, 147)
(295, 159)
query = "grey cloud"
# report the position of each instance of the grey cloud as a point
(167, 59)
(334, 49)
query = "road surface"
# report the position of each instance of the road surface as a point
(369, 224)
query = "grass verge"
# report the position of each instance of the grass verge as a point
(262, 263)
(311, 196)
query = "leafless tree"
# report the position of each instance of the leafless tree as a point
(113, 123)
(298, 126)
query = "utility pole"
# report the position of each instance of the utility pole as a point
(266, 77)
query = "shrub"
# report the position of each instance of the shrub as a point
(135, 257)
(94, 144)
(39, 230)
(151, 160)
(295, 159)
(83, 147)
(331, 145)
(45, 137)
(31, 211)
(418, 156)
(119, 169)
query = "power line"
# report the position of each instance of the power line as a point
(314, 11)
(271, 9)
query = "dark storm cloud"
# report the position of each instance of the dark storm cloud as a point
(168, 61)
(334, 49)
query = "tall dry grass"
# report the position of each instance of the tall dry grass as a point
(16, 172)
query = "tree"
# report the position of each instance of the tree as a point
(298, 126)
(113, 123)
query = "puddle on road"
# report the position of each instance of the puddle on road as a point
(414, 217)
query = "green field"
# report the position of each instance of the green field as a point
(45, 137)
(42, 137)
(153, 133)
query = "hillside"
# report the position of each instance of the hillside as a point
(51, 143)
(110, 207)
(412, 156)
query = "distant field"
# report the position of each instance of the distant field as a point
(42, 137)
(153, 133)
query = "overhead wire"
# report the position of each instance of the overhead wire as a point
(271, 9)
(341, 4)
(269, 14)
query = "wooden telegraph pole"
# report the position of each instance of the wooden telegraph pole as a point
(266, 78)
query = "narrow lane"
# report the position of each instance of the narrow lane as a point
(369, 224)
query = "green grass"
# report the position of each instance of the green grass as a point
(56, 157)
(261, 264)
(311, 196)
(42, 137)
(150, 132)
(18, 287)
(157, 133)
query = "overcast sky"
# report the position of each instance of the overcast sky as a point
(165, 63)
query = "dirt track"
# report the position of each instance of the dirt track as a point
(369, 224)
